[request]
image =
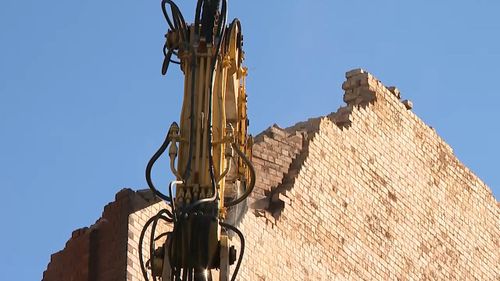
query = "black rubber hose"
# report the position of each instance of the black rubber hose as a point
(165, 14)
(180, 19)
(150, 165)
(208, 16)
(223, 21)
(169, 253)
(179, 22)
(250, 186)
(161, 235)
(175, 18)
(141, 241)
(197, 17)
(214, 64)
(242, 247)
(178, 14)
(156, 218)
(152, 247)
(166, 61)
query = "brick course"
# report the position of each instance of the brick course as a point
(369, 192)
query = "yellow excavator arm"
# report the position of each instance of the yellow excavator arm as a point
(209, 151)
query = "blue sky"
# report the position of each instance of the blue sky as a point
(83, 105)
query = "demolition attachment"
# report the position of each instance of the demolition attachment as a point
(209, 152)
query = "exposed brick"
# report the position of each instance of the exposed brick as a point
(374, 215)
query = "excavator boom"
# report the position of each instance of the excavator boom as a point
(209, 150)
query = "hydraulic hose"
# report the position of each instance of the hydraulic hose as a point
(143, 233)
(151, 243)
(141, 240)
(197, 17)
(166, 61)
(179, 22)
(150, 165)
(210, 105)
(165, 14)
(152, 247)
(242, 248)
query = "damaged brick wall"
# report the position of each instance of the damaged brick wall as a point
(369, 192)
(73, 262)
(107, 250)
(373, 194)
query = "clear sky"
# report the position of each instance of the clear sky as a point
(83, 105)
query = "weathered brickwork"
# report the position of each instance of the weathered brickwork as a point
(73, 262)
(369, 192)
(378, 196)
(101, 252)
(273, 153)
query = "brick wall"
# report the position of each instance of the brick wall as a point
(136, 222)
(369, 192)
(73, 262)
(104, 251)
(373, 194)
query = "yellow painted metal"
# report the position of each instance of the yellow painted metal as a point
(228, 115)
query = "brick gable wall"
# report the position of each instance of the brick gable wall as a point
(378, 196)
